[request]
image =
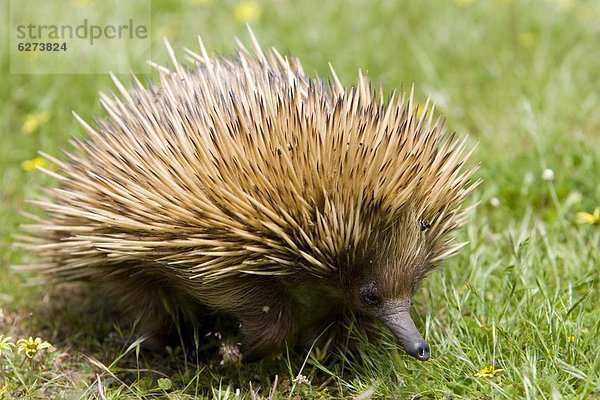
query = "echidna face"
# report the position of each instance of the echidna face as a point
(386, 279)
(395, 314)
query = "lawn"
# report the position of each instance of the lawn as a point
(515, 315)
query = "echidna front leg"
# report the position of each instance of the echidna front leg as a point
(266, 330)
(263, 308)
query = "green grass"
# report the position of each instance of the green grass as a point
(522, 78)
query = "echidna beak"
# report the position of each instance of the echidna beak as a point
(403, 327)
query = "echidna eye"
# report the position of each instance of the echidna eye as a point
(371, 297)
(424, 225)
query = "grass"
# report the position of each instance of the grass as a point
(519, 77)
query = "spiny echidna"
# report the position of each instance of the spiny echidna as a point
(242, 183)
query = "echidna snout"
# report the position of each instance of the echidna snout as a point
(403, 327)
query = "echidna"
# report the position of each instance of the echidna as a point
(241, 185)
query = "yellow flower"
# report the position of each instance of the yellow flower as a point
(6, 344)
(571, 339)
(565, 4)
(526, 40)
(488, 372)
(32, 346)
(31, 165)
(464, 3)
(247, 11)
(420, 109)
(33, 121)
(587, 218)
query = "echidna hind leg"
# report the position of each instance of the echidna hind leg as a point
(156, 306)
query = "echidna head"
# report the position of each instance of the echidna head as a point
(386, 276)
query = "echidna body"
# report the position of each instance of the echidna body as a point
(235, 184)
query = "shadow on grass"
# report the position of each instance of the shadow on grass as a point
(96, 340)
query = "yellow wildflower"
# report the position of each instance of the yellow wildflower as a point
(565, 4)
(420, 109)
(488, 372)
(587, 218)
(31, 165)
(6, 344)
(33, 121)
(32, 346)
(571, 339)
(3, 390)
(464, 3)
(247, 11)
(526, 40)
